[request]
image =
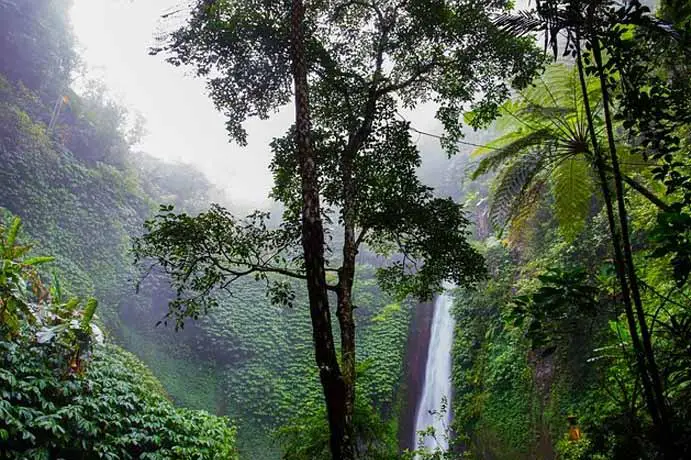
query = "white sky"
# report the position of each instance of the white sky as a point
(181, 122)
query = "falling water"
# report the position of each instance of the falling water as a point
(437, 386)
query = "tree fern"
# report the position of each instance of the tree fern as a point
(513, 144)
(573, 188)
(509, 185)
(546, 137)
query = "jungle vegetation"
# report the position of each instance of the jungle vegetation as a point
(557, 200)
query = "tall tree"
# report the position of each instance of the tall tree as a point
(332, 380)
(364, 62)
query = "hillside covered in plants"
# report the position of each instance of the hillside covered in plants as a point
(73, 174)
(529, 164)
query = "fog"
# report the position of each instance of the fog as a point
(181, 122)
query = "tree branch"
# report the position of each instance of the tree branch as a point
(361, 237)
(410, 80)
(647, 193)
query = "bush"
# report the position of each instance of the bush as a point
(63, 396)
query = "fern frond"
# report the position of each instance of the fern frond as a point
(520, 228)
(510, 185)
(498, 143)
(517, 147)
(541, 113)
(573, 188)
(507, 122)
(522, 23)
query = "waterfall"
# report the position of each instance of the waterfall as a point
(437, 386)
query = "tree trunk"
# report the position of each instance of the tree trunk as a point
(628, 253)
(346, 274)
(616, 244)
(344, 312)
(313, 245)
(347, 326)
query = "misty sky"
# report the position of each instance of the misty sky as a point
(181, 121)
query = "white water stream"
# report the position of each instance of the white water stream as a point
(437, 386)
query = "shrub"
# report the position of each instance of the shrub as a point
(63, 395)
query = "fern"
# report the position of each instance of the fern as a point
(517, 145)
(511, 183)
(545, 140)
(525, 209)
(573, 189)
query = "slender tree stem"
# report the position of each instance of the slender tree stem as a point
(614, 233)
(346, 321)
(654, 199)
(628, 253)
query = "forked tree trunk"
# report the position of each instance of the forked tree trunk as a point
(313, 245)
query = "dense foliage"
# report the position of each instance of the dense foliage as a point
(83, 192)
(591, 159)
(65, 394)
(586, 310)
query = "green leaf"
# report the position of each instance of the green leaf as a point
(33, 261)
(12, 232)
(506, 148)
(573, 189)
(511, 182)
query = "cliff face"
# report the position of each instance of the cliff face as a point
(414, 372)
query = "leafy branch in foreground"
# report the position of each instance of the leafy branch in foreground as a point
(19, 278)
(211, 251)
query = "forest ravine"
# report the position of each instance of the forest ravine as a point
(528, 163)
